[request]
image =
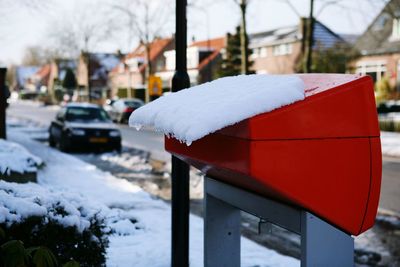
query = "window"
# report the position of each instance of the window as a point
(259, 52)
(86, 114)
(375, 69)
(282, 49)
(263, 52)
(396, 29)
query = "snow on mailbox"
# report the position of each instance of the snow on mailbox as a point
(311, 141)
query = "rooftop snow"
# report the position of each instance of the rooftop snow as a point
(193, 113)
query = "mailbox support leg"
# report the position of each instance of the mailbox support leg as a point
(221, 233)
(323, 244)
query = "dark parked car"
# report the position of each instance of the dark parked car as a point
(121, 109)
(79, 125)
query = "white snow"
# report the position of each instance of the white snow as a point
(390, 143)
(15, 158)
(144, 243)
(20, 201)
(193, 113)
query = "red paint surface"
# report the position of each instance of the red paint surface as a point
(321, 154)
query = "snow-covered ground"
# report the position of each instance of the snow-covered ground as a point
(145, 243)
(15, 158)
(390, 144)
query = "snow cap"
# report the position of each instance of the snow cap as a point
(193, 113)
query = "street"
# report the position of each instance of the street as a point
(153, 142)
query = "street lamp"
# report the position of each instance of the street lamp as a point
(180, 170)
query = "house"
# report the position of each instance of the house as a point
(50, 76)
(131, 71)
(23, 81)
(280, 51)
(379, 46)
(202, 61)
(96, 71)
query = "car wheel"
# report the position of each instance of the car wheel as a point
(52, 142)
(121, 119)
(118, 148)
(64, 144)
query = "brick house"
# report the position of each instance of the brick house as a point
(100, 65)
(379, 46)
(130, 72)
(202, 61)
(50, 76)
(280, 51)
(23, 80)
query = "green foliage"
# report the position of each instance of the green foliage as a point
(330, 60)
(384, 90)
(13, 254)
(389, 125)
(231, 62)
(71, 264)
(43, 257)
(67, 243)
(69, 81)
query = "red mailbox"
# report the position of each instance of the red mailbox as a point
(322, 154)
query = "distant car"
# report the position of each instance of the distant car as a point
(122, 109)
(108, 105)
(84, 125)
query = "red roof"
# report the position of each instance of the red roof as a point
(156, 48)
(216, 43)
(44, 71)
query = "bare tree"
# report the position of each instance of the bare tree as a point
(38, 55)
(244, 42)
(145, 20)
(80, 30)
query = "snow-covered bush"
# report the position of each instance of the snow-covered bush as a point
(15, 158)
(62, 222)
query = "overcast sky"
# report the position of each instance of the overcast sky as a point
(21, 27)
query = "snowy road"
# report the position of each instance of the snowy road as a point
(147, 140)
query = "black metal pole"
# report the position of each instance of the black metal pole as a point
(180, 170)
(3, 103)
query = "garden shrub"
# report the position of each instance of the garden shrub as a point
(61, 222)
(389, 125)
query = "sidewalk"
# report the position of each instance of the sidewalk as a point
(390, 144)
(145, 243)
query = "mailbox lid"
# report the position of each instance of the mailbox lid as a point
(335, 106)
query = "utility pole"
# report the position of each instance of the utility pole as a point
(244, 38)
(180, 170)
(310, 38)
(3, 103)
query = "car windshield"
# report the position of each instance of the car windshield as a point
(86, 114)
(133, 104)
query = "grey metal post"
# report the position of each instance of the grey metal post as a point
(323, 244)
(221, 233)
